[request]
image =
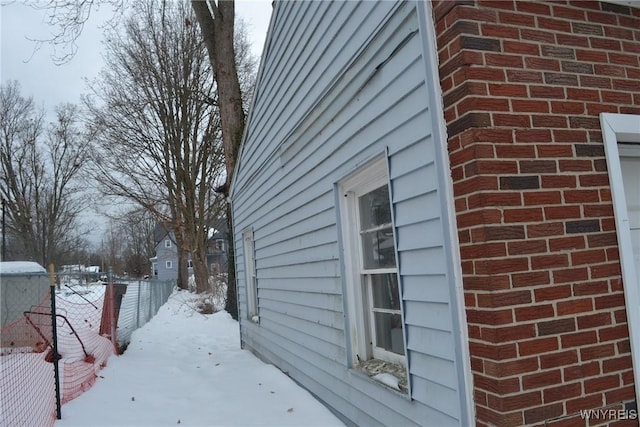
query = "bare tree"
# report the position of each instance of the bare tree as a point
(217, 22)
(156, 115)
(69, 17)
(68, 149)
(138, 226)
(112, 248)
(40, 177)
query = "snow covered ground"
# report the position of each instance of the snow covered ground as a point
(185, 368)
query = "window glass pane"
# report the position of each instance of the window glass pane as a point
(378, 250)
(389, 332)
(375, 209)
(385, 291)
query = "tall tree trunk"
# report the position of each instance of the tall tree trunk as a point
(200, 269)
(183, 269)
(217, 26)
(183, 260)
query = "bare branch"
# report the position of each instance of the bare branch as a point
(68, 18)
(40, 170)
(155, 113)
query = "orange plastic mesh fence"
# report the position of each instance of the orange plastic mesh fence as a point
(82, 349)
(27, 384)
(27, 387)
(92, 321)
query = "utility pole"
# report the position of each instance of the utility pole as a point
(4, 230)
(44, 241)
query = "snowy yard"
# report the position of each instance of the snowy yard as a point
(185, 368)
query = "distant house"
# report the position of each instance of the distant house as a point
(436, 209)
(165, 264)
(217, 248)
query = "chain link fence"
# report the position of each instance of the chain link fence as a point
(140, 302)
(93, 320)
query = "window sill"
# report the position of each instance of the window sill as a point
(390, 375)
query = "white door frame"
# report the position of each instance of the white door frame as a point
(617, 129)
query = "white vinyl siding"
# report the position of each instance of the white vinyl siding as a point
(340, 83)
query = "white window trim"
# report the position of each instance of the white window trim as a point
(251, 280)
(361, 182)
(618, 129)
(167, 243)
(169, 265)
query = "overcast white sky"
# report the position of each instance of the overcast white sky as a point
(51, 84)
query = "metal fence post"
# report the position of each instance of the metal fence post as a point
(112, 311)
(138, 307)
(54, 331)
(151, 304)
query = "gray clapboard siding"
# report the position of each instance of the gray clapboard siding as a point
(419, 234)
(320, 347)
(291, 257)
(306, 240)
(275, 126)
(334, 336)
(366, 127)
(324, 268)
(298, 70)
(423, 261)
(430, 341)
(381, 406)
(332, 319)
(322, 385)
(378, 402)
(433, 315)
(426, 288)
(308, 299)
(439, 397)
(440, 371)
(320, 222)
(408, 185)
(340, 83)
(308, 284)
(416, 209)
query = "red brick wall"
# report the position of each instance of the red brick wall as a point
(523, 84)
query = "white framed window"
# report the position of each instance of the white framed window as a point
(167, 243)
(621, 136)
(169, 265)
(190, 263)
(250, 275)
(371, 268)
(220, 245)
